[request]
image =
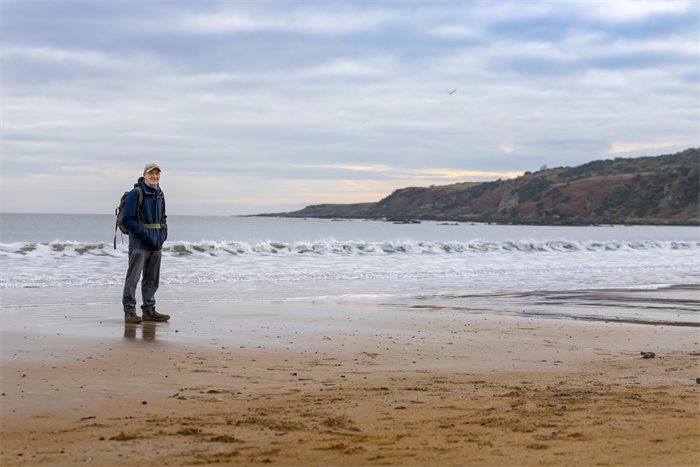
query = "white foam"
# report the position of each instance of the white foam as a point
(475, 264)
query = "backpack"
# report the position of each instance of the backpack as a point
(119, 211)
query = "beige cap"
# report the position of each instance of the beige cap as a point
(151, 166)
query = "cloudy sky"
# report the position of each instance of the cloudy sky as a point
(260, 106)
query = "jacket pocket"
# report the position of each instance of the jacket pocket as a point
(162, 236)
(150, 240)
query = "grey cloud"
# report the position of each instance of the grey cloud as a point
(270, 91)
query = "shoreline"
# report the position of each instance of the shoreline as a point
(538, 222)
(660, 305)
(330, 383)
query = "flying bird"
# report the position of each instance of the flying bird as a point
(451, 92)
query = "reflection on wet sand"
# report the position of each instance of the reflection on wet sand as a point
(668, 306)
(148, 331)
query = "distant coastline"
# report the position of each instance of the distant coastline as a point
(660, 190)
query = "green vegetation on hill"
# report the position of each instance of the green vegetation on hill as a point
(646, 190)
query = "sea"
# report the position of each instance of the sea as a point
(471, 267)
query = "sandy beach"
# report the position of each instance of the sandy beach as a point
(333, 383)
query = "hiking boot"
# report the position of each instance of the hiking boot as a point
(132, 318)
(150, 314)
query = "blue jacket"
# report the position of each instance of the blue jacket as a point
(151, 211)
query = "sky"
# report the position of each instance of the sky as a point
(269, 106)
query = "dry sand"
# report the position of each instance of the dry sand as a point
(345, 384)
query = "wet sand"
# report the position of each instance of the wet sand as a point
(323, 383)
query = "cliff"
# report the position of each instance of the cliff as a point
(646, 190)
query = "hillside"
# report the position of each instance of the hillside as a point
(647, 190)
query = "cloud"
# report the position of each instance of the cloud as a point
(63, 56)
(372, 67)
(351, 167)
(458, 174)
(628, 147)
(299, 20)
(456, 31)
(633, 10)
(243, 102)
(426, 173)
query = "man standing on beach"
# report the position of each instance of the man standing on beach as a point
(144, 217)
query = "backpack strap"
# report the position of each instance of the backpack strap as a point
(138, 204)
(138, 214)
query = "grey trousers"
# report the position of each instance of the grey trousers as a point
(146, 262)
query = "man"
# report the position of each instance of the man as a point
(144, 216)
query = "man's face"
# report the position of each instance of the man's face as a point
(152, 177)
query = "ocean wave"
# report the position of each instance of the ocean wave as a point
(333, 247)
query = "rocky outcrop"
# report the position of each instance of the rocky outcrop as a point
(657, 190)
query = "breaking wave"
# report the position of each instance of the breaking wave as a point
(333, 247)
